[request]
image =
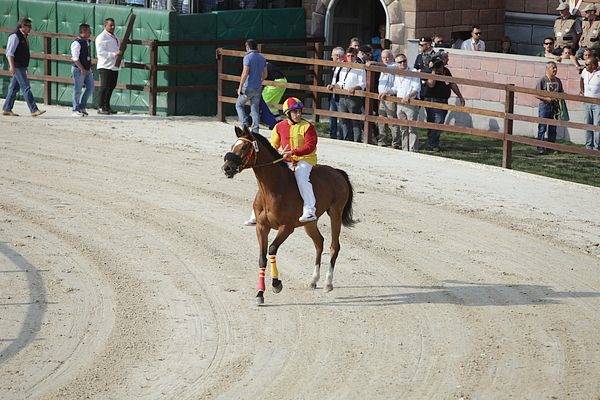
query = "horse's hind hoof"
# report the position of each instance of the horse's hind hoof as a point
(277, 286)
(328, 287)
(312, 285)
(260, 299)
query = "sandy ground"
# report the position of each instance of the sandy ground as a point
(125, 273)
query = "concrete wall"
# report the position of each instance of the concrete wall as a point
(522, 71)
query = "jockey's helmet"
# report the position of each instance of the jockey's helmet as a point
(292, 104)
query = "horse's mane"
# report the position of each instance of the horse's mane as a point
(265, 142)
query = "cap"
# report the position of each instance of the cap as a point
(562, 6)
(590, 7)
(425, 39)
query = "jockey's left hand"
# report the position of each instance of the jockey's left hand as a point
(287, 156)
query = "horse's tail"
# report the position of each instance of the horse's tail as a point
(347, 219)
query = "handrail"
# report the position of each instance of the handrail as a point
(508, 115)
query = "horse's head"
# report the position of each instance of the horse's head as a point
(243, 153)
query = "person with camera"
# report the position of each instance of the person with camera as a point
(548, 107)
(437, 91)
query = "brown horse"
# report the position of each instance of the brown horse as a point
(278, 204)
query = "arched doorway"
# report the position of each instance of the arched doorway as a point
(345, 19)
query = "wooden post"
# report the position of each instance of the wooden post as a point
(220, 114)
(125, 39)
(509, 108)
(153, 76)
(47, 70)
(317, 77)
(367, 125)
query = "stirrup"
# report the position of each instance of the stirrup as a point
(250, 222)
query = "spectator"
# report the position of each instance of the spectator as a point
(438, 42)
(352, 79)
(337, 55)
(17, 53)
(271, 96)
(549, 50)
(354, 43)
(438, 92)
(566, 55)
(365, 53)
(425, 55)
(82, 71)
(407, 88)
(386, 108)
(377, 42)
(475, 43)
(567, 28)
(587, 53)
(590, 31)
(548, 106)
(249, 89)
(506, 45)
(590, 87)
(107, 51)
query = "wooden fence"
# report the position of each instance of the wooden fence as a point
(314, 45)
(369, 95)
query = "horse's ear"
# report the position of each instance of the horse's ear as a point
(239, 132)
(247, 131)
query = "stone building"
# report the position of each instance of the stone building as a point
(525, 21)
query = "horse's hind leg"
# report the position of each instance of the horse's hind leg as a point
(312, 230)
(336, 227)
(283, 233)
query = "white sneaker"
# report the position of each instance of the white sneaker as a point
(77, 114)
(250, 222)
(308, 217)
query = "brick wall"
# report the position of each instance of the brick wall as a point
(539, 6)
(445, 17)
(524, 71)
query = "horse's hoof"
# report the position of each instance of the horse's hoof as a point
(277, 286)
(260, 299)
(328, 287)
(312, 285)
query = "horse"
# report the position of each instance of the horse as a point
(278, 204)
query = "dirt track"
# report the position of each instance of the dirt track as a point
(125, 273)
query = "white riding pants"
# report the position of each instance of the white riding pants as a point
(302, 173)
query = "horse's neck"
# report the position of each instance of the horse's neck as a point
(272, 178)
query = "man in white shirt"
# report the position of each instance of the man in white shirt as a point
(81, 55)
(475, 43)
(337, 55)
(351, 79)
(107, 51)
(387, 109)
(407, 88)
(590, 87)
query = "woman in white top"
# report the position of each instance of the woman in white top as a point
(589, 85)
(351, 79)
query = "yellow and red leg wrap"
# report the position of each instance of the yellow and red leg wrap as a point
(274, 270)
(261, 279)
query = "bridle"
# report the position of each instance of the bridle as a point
(251, 155)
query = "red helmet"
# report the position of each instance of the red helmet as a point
(291, 104)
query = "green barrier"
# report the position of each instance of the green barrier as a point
(196, 27)
(239, 24)
(9, 17)
(284, 23)
(69, 16)
(152, 25)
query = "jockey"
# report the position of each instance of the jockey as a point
(296, 140)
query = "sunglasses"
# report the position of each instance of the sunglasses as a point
(477, 33)
(401, 61)
(548, 43)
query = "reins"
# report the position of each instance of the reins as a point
(254, 151)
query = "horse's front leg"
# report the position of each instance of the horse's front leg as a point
(282, 234)
(262, 233)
